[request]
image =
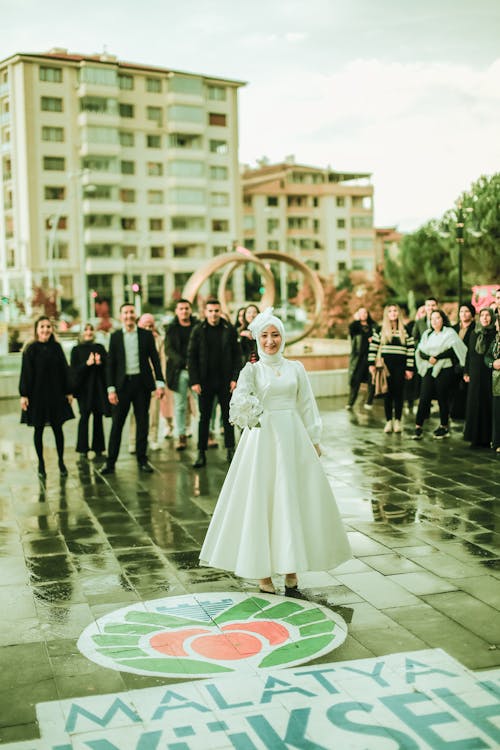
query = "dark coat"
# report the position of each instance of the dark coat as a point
(459, 396)
(149, 361)
(478, 422)
(176, 358)
(420, 326)
(89, 381)
(45, 381)
(358, 360)
(230, 364)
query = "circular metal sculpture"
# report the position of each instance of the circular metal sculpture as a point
(242, 255)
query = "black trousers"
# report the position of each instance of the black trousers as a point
(435, 388)
(132, 393)
(205, 402)
(394, 398)
(82, 443)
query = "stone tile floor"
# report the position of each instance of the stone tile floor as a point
(423, 520)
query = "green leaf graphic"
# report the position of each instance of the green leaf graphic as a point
(174, 666)
(290, 652)
(242, 611)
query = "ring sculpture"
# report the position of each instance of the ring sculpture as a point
(245, 256)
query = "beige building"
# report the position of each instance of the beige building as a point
(387, 242)
(323, 217)
(121, 170)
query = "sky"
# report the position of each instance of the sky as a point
(408, 90)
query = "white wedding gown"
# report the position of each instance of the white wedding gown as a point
(276, 512)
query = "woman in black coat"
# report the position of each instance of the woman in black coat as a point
(45, 390)
(492, 361)
(478, 425)
(89, 386)
(360, 334)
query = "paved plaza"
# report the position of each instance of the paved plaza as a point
(112, 636)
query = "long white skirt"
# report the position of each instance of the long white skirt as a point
(276, 512)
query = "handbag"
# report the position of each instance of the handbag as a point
(381, 375)
(495, 382)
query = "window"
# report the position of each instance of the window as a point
(185, 85)
(219, 250)
(127, 195)
(361, 222)
(52, 134)
(361, 201)
(157, 251)
(341, 245)
(99, 75)
(342, 266)
(185, 140)
(100, 221)
(217, 93)
(340, 223)
(181, 251)
(52, 75)
(125, 82)
(272, 224)
(153, 85)
(248, 222)
(220, 225)
(273, 245)
(126, 139)
(155, 197)
(154, 168)
(51, 104)
(156, 290)
(218, 147)
(98, 251)
(340, 201)
(297, 222)
(155, 114)
(272, 200)
(54, 163)
(62, 222)
(296, 201)
(153, 141)
(99, 192)
(193, 223)
(156, 225)
(363, 264)
(99, 105)
(100, 164)
(127, 167)
(52, 193)
(129, 251)
(362, 243)
(128, 224)
(316, 225)
(186, 168)
(219, 173)
(185, 113)
(215, 118)
(101, 135)
(315, 202)
(126, 110)
(219, 199)
(186, 196)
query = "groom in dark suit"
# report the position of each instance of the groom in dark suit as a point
(132, 360)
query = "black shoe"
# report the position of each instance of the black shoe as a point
(107, 469)
(146, 468)
(230, 455)
(201, 460)
(441, 432)
(62, 469)
(418, 434)
(294, 592)
(42, 474)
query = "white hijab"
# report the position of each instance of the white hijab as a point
(259, 324)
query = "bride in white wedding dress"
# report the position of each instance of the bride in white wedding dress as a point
(276, 512)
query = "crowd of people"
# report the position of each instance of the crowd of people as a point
(196, 365)
(430, 360)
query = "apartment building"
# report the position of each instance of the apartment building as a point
(321, 216)
(113, 174)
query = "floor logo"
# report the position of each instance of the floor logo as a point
(209, 634)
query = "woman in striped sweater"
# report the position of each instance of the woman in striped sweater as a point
(396, 347)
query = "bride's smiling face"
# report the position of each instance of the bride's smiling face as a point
(270, 340)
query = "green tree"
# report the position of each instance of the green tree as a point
(424, 265)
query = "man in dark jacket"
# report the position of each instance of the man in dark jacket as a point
(176, 348)
(214, 362)
(132, 359)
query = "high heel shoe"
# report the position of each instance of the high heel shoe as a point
(42, 474)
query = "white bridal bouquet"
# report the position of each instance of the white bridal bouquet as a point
(245, 410)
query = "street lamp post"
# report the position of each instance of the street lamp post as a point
(460, 243)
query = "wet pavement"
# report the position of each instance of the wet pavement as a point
(423, 520)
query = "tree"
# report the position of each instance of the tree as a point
(424, 265)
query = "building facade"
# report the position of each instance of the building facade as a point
(323, 217)
(114, 175)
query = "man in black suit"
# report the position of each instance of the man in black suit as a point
(132, 359)
(214, 362)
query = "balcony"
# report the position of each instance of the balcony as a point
(101, 206)
(99, 149)
(100, 119)
(103, 236)
(97, 89)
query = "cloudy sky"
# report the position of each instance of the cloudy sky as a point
(406, 89)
